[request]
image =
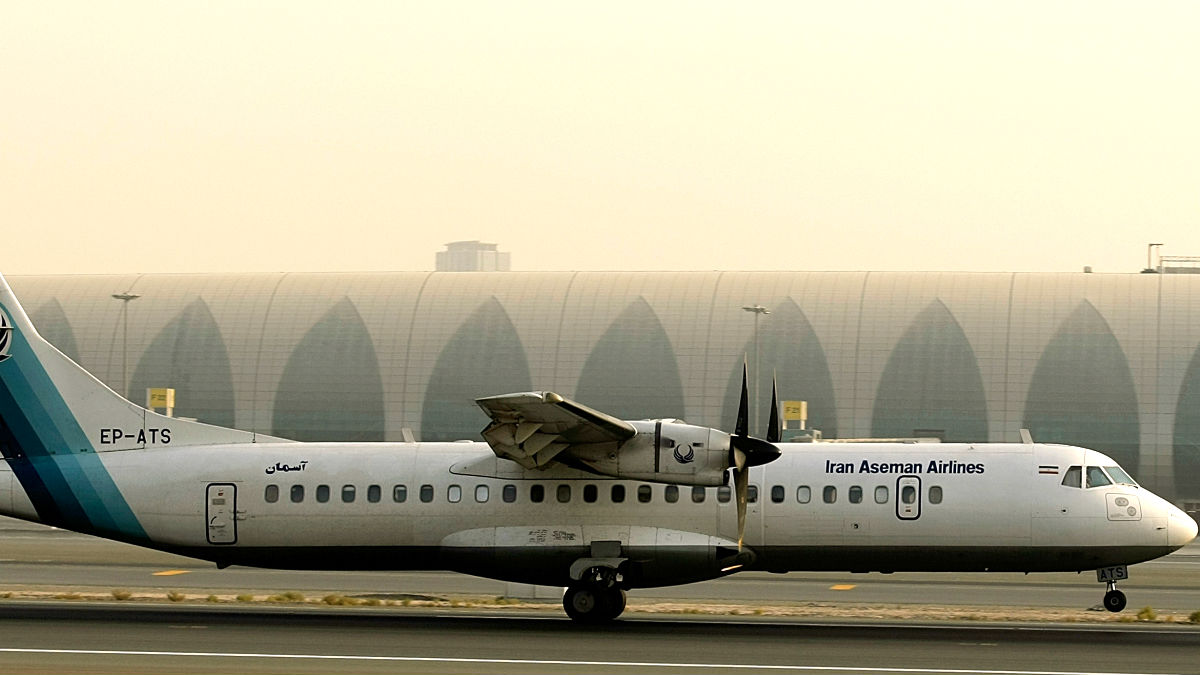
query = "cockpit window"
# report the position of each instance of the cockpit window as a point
(1096, 477)
(1118, 475)
(1073, 477)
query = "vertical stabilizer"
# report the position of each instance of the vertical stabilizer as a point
(55, 420)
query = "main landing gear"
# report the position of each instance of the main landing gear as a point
(593, 604)
(596, 594)
(596, 597)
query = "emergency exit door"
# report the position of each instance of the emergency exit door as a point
(221, 513)
(908, 497)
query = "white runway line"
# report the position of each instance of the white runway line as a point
(557, 662)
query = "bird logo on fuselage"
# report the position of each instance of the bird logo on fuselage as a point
(685, 458)
(5, 336)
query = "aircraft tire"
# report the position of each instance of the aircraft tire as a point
(588, 604)
(1114, 601)
(616, 602)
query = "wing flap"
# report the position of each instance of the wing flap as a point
(532, 428)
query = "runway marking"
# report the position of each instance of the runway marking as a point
(557, 662)
(169, 573)
(842, 587)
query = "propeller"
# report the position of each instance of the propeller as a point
(774, 432)
(745, 451)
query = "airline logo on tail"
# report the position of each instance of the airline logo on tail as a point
(5, 336)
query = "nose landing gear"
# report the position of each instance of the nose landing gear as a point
(1114, 600)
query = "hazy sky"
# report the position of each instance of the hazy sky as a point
(311, 136)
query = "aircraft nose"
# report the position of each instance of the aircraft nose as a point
(1181, 529)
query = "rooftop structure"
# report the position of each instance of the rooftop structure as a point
(472, 256)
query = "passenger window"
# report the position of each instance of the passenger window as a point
(589, 493)
(481, 493)
(297, 494)
(908, 494)
(1096, 477)
(855, 494)
(751, 494)
(698, 493)
(563, 493)
(426, 493)
(881, 494)
(373, 493)
(804, 494)
(777, 493)
(618, 494)
(671, 494)
(644, 493)
(537, 493)
(1073, 477)
(400, 493)
(322, 493)
(724, 494)
(829, 495)
(454, 494)
(509, 493)
(935, 494)
(271, 494)
(348, 493)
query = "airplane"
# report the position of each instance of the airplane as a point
(558, 494)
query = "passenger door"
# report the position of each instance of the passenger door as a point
(221, 513)
(908, 497)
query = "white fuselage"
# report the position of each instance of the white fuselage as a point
(851, 507)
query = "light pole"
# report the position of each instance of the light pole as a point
(125, 298)
(757, 310)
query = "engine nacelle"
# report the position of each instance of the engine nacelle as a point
(663, 451)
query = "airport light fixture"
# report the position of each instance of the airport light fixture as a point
(757, 311)
(125, 299)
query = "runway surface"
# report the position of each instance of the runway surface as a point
(43, 638)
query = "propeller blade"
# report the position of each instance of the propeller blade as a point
(774, 433)
(741, 486)
(746, 451)
(742, 427)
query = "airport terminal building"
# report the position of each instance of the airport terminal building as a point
(1107, 361)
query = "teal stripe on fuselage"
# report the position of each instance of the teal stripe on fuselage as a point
(53, 486)
(59, 450)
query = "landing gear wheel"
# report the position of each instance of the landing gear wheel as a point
(586, 604)
(615, 602)
(591, 604)
(1114, 600)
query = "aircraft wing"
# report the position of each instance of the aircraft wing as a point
(531, 428)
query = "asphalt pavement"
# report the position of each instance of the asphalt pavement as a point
(48, 637)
